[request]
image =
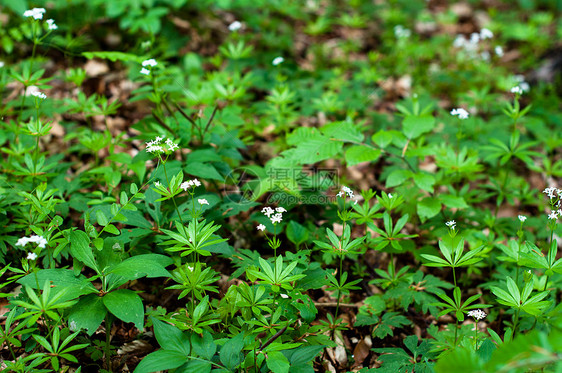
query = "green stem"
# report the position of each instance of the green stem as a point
(107, 346)
(515, 321)
(173, 199)
(454, 277)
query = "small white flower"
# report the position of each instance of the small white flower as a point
(284, 296)
(31, 256)
(474, 38)
(499, 51)
(522, 218)
(389, 195)
(517, 90)
(280, 209)
(235, 26)
(154, 149)
(39, 240)
(72, 326)
(1, 64)
(260, 227)
(276, 218)
(36, 13)
(553, 215)
(38, 94)
(451, 224)
(171, 145)
(525, 87)
(340, 194)
(401, 32)
(52, 25)
(463, 114)
(477, 314)
(460, 41)
(267, 211)
(202, 201)
(550, 192)
(157, 184)
(145, 71)
(196, 182)
(277, 61)
(486, 34)
(150, 62)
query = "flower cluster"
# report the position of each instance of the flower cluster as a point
(522, 218)
(276, 216)
(521, 83)
(477, 314)
(192, 184)
(517, 90)
(451, 224)
(471, 45)
(39, 240)
(277, 61)
(31, 256)
(235, 26)
(52, 24)
(346, 190)
(463, 114)
(156, 147)
(401, 32)
(38, 94)
(36, 13)
(202, 201)
(151, 63)
(554, 196)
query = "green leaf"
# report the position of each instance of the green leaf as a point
(112, 56)
(428, 208)
(171, 338)
(161, 360)
(424, 181)
(397, 177)
(149, 265)
(231, 352)
(80, 249)
(60, 279)
(414, 126)
(277, 362)
(204, 346)
(112, 229)
(382, 138)
(102, 219)
(88, 313)
(360, 153)
(126, 305)
(296, 233)
(196, 366)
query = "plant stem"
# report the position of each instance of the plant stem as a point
(107, 346)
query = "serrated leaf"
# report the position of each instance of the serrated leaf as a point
(414, 126)
(360, 153)
(397, 177)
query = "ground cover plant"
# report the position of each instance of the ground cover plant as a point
(284, 186)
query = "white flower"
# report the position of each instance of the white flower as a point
(517, 90)
(196, 182)
(346, 190)
(553, 215)
(550, 192)
(267, 211)
(235, 26)
(477, 314)
(171, 145)
(499, 51)
(460, 41)
(31, 256)
(280, 209)
(52, 25)
(525, 87)
(72, 326)
(260, 227)
(474, 38)
(39, 240)
(401, 32)
(463, 114)
(277, 61)
(340, 194)
(486, 34)
(145, 71)
(36, 13)
(154, 149)
(276, 218)
(38, 94)
(202, 201)
(284, 296)
(389, 195)
(1, 64)
(522, 218)
(451, 224)
(157, 184)
(150, 62)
